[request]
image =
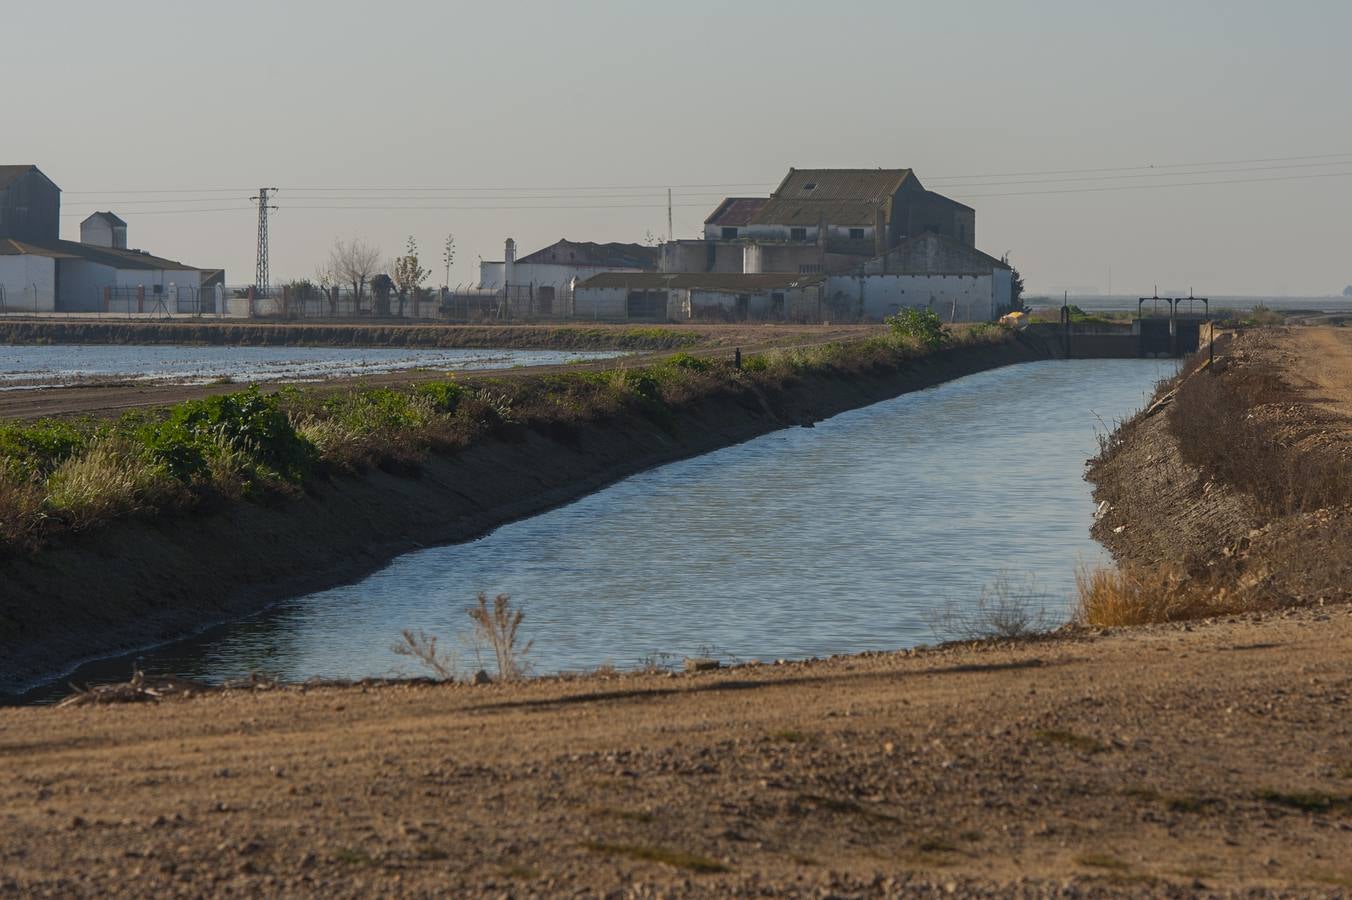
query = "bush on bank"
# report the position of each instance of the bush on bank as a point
(64, 476)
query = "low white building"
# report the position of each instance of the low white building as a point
(702, 296)
(929, 271)
(545, 278)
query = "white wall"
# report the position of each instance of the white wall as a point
(960, 298)
(29, 282)
(557, 274)
(82, 284)
(601, 303)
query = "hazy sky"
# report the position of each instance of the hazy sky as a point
(603, 104)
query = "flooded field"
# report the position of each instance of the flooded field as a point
(857, 534)
(34, 366)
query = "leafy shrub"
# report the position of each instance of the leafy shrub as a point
(755, 362)
(247, 422)
(40, 447)
(443, 395)
(693, 363)
(921, 324)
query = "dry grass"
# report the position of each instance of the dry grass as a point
(112, 478)
(422, 646)
(498, 628)
(1110, 598)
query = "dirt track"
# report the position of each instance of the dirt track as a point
(106, 399)
(1173, 759)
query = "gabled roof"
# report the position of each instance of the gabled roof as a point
(107, 256)
(840, 196)
(11, 174)
(812, 212)
(107, 217)
(732, 282)
(736, 211)
(602, 256)
(873, 185)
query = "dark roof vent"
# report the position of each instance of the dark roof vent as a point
(811, 185)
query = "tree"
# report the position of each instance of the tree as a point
(448, 257)
(353, 263)
(382, 286)
(1015, 289)
(408, 273)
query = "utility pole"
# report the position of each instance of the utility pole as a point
(261, 272)
(670, 235)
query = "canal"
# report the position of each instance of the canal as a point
(857, 534)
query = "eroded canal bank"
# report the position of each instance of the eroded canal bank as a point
(149, 580)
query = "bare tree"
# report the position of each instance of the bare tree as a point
(353, 263)
(448, 257)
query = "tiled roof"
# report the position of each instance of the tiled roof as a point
(736, 211)
(713, 281)
(601, 256)
(874, 185)
(811, 212)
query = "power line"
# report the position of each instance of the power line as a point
(1234, 162)
(1146, 187)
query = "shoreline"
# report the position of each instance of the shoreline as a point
(143, 582)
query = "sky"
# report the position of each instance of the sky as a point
(543, 120)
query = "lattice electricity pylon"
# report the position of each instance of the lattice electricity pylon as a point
(261, 272)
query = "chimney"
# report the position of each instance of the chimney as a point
(509, 262)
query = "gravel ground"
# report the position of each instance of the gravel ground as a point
(1208, 759)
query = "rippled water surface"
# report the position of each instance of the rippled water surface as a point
(805, 542)
(39, 366)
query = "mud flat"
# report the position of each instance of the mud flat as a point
(152, 579)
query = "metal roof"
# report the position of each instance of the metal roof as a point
(107, 217)
(11, 174)
(735, 211)
(107, 256)
(732, 282)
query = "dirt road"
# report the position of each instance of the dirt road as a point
(1176, 760)
(111, 398)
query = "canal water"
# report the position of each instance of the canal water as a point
(857, 534)
(31, 366)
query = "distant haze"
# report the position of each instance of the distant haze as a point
(604, 104)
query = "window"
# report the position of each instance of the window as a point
(810, 186)
(777, 304)
(810, 268)
(729, 234)
(797, 234)
(856, 234)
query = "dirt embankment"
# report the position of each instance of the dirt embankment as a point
(147, 581)
(1238, 476)
(1173, 761)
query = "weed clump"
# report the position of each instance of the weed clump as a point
(923, 325)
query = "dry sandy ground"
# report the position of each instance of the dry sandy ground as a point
(1175, 760)
(105, 399)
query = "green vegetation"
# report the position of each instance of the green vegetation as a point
(61, 476)
(923, 325)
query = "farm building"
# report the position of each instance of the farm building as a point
(39, 272)
(820, 221)
(929, 271)
(659, 297)
(544, 279)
